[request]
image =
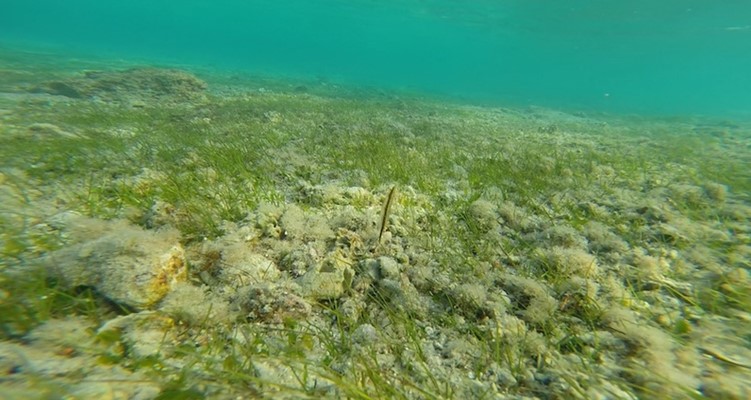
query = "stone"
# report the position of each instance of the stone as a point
(129, 86)
(123, 262)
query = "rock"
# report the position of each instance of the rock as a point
(123, 262)
(60, 359)
(271, 303)
(144, 334)
(569, 261)
(300, 225)
(389, 268)
(240, 266)
(42, 130)
(329, 279)
(131, 86)
(196, 305)
(322, 285)
(482, 215)
(365, 334)
(67, 89)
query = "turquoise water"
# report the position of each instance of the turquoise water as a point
(666, 57)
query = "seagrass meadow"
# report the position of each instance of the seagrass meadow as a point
(175, 232)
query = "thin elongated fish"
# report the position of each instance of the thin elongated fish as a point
(386, 210)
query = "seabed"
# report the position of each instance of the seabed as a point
(179, 233)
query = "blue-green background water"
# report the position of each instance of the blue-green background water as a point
(645, 56)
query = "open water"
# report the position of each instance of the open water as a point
(671, 57)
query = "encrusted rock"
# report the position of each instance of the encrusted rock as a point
(270, 303)
(122, 262)
(329, 279)
(323, 285)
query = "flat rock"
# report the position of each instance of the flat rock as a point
(132, 85)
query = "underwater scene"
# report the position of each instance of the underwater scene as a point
(360, 199)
